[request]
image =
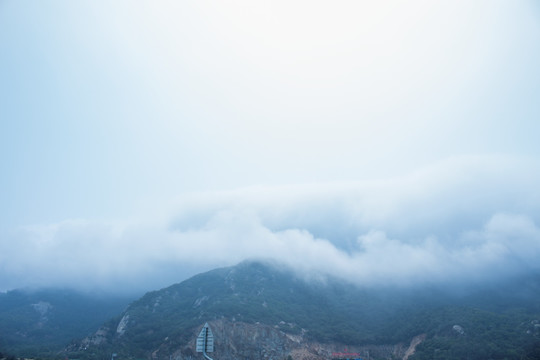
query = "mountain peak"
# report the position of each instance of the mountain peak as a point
(257, 309)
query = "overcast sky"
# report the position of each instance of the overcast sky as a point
(384, 141)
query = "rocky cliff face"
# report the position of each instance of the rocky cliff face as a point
(234, 340)
(239, 340)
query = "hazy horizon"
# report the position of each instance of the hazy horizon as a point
(141, 143)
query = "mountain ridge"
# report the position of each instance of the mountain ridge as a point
(272, 301)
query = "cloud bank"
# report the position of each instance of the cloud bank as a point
(466, 218)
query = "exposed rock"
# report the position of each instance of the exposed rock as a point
(458, 329)
(98, 338)
(122, 325)
(414, 343)
(42, 308)
(238, 340)
(200, 300)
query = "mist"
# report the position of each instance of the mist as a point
(460, 221)
(382, 143)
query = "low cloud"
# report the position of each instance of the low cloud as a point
(473, 218)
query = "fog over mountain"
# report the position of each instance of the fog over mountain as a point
(380, 142)
(467, 219)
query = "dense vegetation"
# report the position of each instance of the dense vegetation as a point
(41, 323)
(497, 322)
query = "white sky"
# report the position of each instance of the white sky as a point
(115, 113)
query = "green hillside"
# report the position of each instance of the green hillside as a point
(41, 323)
(497, 321)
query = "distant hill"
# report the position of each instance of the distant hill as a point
(259, 310)
(42, 322)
